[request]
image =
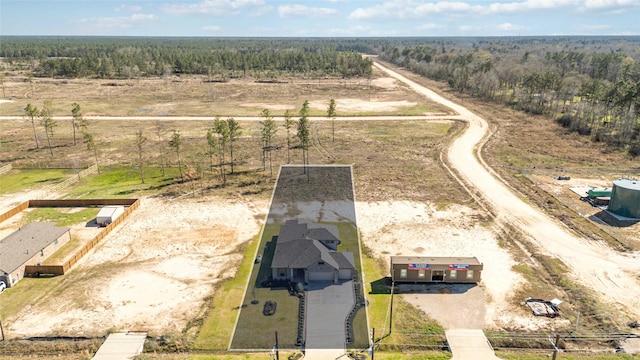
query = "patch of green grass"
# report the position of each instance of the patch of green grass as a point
(412, 355)
(214, 356)
(61, 254)
(18, 180)
(255, 330)
(419, 109)
(286, 317)
(26, 292)
(119, 182)
(527, 355)
(60, 217)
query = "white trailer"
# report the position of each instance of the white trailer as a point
(109, 214)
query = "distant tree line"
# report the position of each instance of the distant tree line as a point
(590, 85)
(124, 58)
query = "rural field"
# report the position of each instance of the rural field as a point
(177, 267)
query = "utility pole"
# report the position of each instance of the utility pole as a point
(276, 346)
(555, 346)
(373, 342)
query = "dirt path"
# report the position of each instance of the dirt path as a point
(611, 274)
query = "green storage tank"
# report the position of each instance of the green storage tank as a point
(625, 198)
(599, 192)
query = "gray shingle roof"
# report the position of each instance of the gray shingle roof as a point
(298, 247)
(23, 244)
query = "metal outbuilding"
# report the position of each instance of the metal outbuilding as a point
(423, 269)
(625, 198)
(109, 214)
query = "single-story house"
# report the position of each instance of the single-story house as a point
(30, 245)
(309, 253)
(417, 269)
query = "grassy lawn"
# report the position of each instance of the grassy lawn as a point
(217, 356)
(18, 180)
(61, 217)
(528, 355)
(248, 334)
(68, 249)
(26, 292)
(122, 182)
(255, 330)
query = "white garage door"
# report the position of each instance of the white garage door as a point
(321, 276)
(344, 274)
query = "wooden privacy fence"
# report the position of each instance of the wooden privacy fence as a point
(36, 270)
(87, 247)
(16, 210)
(5, 169)
(31, 270)
(72, 180)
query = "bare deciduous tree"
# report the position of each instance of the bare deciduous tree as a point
(176, 144)
(140, 140)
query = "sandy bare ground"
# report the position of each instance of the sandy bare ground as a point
(153, 273)
(611, 274)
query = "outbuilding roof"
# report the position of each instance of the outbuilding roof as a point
(24, 243)
(434, 260)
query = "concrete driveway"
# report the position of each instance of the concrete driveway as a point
(327, 308)
(468, 344)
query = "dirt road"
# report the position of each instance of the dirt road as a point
(611, 274)
(247, 118)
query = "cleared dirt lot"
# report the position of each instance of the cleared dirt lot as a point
(153, 273)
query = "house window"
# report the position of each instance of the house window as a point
(453, 274)
(469, 274)
(282, 272)
(403, 273)
(421, 274)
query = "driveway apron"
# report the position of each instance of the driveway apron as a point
(327, 308)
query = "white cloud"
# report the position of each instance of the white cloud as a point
(470, 29)
(302, 10)
(211, 28)
(211, 7)
(401, 9)
(429, 27)
(607, 4)
(510, 27)
(125, 7)
(118, 22)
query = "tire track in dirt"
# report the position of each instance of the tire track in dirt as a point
(611, 274)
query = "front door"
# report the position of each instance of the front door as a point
(437, 275)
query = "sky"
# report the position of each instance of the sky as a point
(319, 18)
